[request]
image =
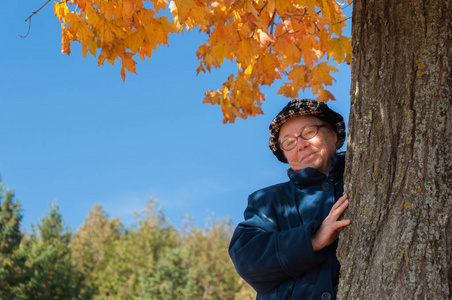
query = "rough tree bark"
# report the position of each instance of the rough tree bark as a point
(399, 154)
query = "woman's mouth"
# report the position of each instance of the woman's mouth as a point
(308, 156)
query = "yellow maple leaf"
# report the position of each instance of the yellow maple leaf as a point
(246, 50)
(135, 39)
(219, 52)
(340, 48)
(92, 18)
(92, 46)
(61, 10)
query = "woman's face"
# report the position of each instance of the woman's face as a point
(315, 152)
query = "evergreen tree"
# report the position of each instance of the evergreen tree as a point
(11, 262)
(50, 268)
(172, 278)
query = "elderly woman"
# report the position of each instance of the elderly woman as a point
(286, 247)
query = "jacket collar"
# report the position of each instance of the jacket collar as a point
(310, 176)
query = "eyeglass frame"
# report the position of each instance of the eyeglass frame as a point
(301, 136)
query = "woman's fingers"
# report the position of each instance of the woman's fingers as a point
(340, 224)
(343, 197)
(340, 201)
(338, 208)
(331, 227)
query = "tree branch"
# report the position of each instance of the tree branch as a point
(29, 19)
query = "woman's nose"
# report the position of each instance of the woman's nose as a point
(302, 143)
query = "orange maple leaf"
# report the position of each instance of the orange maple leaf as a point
(325, 96)
(65, 40)
(128, 62)
(321, 76)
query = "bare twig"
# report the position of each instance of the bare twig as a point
(342, 21)
(272, 22)
(287, 32)
(316, 28)
(29, 18)
(301, 14)
(260, 10)
(345, 7)
(29, 26)
(240, 38)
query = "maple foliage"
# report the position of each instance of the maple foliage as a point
(269, 40)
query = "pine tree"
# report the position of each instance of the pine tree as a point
(50, 268)
(172, 278)
(11, 262)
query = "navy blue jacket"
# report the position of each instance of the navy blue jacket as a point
(272, 248)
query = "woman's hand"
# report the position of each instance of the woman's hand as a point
(331, 227)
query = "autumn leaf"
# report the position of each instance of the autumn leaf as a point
(92, 18)
(310, 51)
(123, 73)
(246, 50)
(325, 96)
(65, 40)
(128, 62)
(61, 10)
(159, 4)
(340, 49)
(128, 10)
(266, 69)
(135, 39)
(321, 76)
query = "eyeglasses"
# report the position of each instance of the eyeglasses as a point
(307, 134)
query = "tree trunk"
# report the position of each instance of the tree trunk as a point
(399, 156)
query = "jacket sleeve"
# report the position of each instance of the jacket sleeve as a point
(266, 257)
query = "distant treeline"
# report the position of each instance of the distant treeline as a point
(104, 259)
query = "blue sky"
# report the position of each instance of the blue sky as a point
(74, 134)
